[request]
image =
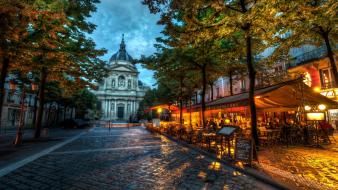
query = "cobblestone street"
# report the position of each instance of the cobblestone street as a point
(125, 159)
(305, 167)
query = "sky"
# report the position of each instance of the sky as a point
(129, 17)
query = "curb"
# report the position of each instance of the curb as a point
(248, 171)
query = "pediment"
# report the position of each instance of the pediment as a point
(124, 68)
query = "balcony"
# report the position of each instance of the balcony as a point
(306, 57)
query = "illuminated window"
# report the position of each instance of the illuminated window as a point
(325, 78)
(307, 79)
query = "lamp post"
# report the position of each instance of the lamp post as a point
(13, 86)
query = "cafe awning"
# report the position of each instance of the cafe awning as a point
(163, 106)
(284, 96)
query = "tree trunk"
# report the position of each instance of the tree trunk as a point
(72, 113)
(49, 114)
(4, 71)
(196, 97)
(204, 86)
(181, 113)
(42, 85)
(64, 112)
(211, 91)
(35, 108)
(330, 54)
(230, 83)
(190, 113)
(57, 113)
(181, 102)
(252, 74)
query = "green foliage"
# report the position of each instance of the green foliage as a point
(160, 95)
(83, 101)
(51, 34)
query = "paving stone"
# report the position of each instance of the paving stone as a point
(126, 159)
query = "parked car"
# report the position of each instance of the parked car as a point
(74, 123)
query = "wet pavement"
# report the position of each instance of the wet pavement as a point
(126, 159)
(303, 167)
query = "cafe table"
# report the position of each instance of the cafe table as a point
(209, 136)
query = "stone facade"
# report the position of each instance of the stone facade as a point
(11, 110)
(121, 92)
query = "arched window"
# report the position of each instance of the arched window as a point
(122, 81)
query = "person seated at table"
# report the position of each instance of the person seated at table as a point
(213, 125)
(324, 125)
(221, 123)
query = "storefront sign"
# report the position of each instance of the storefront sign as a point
(243, 150)
(315, 116)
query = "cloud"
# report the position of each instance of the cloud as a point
(115, 17)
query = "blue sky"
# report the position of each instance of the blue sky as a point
(115, 17)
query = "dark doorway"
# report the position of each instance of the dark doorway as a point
(120, 112)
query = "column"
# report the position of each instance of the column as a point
(102, 107)
(125, 109)
(134, 107)
(107, 111)
(115, 115)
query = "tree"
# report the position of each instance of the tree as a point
(63, 51)
(306, 22)
(84, 100)
(247, 19)
(14, 18)
(174, 71)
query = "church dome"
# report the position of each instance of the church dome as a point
(122, 54)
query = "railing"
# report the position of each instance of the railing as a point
(308, 56)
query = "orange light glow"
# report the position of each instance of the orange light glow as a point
(315, 116)
(316, 89)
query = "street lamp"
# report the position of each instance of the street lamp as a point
(321, 107)
(13, 86)
(307, 108)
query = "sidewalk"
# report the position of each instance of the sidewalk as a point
(305, 167)
(10, 154)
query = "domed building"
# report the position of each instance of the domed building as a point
(121, 92)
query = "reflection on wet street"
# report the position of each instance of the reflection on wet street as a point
(126, 159)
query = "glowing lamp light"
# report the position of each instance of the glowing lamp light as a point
(227, 121)
(322, 107)
(316, 89)
(258, 97)
(159, 110)
(34, 86)
(307, 108)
